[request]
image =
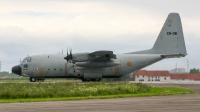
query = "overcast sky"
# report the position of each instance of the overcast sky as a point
(30, 27)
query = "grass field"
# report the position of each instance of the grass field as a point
(26, 92)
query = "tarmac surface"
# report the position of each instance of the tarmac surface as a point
(175, 103)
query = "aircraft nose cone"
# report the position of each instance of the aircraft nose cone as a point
(17, 70)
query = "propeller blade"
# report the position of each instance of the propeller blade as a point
(69, 56)
(67, 51)
(70, 51)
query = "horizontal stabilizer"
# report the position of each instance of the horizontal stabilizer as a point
(172, 55)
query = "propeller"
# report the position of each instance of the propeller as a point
(69, 56)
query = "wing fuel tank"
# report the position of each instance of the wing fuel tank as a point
(97, 64)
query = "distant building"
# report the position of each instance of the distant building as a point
(152, 76)
(147, 76)
(185, 77)
(4, 77)
(178, 70)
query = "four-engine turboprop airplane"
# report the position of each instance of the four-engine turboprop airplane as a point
(104, 64)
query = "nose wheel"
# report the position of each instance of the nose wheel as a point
(32, 79)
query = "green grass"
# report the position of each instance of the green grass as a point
(26, 80)
(32, 92)
(52, 90)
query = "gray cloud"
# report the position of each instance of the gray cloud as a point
(121, 26)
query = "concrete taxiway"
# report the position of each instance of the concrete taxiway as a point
(177, 103)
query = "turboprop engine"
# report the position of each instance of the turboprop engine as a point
(94, 56)
(77, 57)
(81, 57)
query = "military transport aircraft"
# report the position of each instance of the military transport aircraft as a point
(93, 66)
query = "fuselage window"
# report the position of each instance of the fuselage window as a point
(60, 69)
(25, 65)
(54, 69)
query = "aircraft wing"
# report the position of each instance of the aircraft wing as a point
(102, 55)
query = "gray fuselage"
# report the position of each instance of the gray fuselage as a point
(55, 66)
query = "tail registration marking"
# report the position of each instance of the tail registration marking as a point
(171, 33)
(129, 63)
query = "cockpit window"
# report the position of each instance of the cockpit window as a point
(24, 60)
(28, 59)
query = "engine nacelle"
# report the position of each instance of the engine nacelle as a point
(94, 56)
(80, 57)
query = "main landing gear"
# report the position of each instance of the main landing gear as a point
(93, 80)
(32, 79)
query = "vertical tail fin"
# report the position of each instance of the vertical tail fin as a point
(171, 39)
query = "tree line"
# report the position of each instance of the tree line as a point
(194, 70)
